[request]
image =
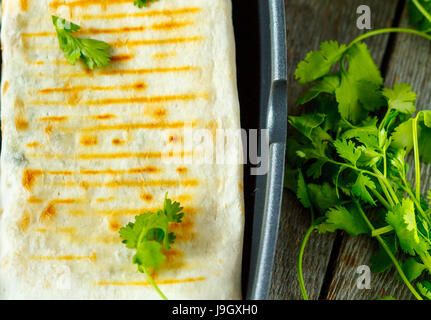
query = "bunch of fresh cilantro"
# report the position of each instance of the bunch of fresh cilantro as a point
(347, 159)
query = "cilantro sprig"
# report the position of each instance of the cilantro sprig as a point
(149, 234)
(348, 157)
(95, 53)
(143, 3)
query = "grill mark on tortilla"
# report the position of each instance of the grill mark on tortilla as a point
(145, 283)
(171, 25)
(33, 144)
(34, 200)
(118, 142)
(164, 55)
(109, 101)
(133, 126)
(190, 211)
(135, 86)
(129, 43)
(147, 197)
(184, 198)
(92, 257)
(49, 129)
(123, 71)
(21, 124)
(48, 213)
(89, 140)
(86, 3)
(105, 199)
(54, 119)
(114, 225)
(5, 87)
(130, 126)
(147, 169)
(58, 230)
(103, 116)
(116, 58)
(152, 13)
(182, 170)
(29, 177)
(24, 222)
(129, 183)
(151, 42)
(120, 155)
(23, 5)
(148, 70)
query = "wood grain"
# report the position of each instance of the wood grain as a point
(409, 63)
(309, 23)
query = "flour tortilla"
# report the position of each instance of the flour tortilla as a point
(81, 150)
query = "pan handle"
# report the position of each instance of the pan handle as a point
(277, 126)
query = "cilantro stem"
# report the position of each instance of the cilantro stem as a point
(386, 192)
(300, 258)
(381, 199)
(149, 277)
(389, 30)
(386, 185)
(422, 10)
(389, 253)
(417, 161)
(153, 283)
(383, 230)
(418, 205)
(354, 168)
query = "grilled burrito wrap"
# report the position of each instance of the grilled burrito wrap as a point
(84, 151)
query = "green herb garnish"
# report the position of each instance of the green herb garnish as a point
(95, 53)
(143, 3)
(348, 157)
(150, 236)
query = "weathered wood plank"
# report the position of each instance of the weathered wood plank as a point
(309, 23)
(409, 63)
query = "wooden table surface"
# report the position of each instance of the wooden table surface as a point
(331, 261)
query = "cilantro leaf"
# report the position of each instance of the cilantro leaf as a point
(401, 98)
(413, 269)
(424, 288)
(143, 3)
(403, 219)
(367, 135)
(339, 218)
(173, 211)
(302, 192)
(95, 53)
(327, 85)
(347, 150)
(402, 136)
(318, 63)
(323, 196)
(150, 255)
(359, 90)
(360, 188)
(307, 122)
